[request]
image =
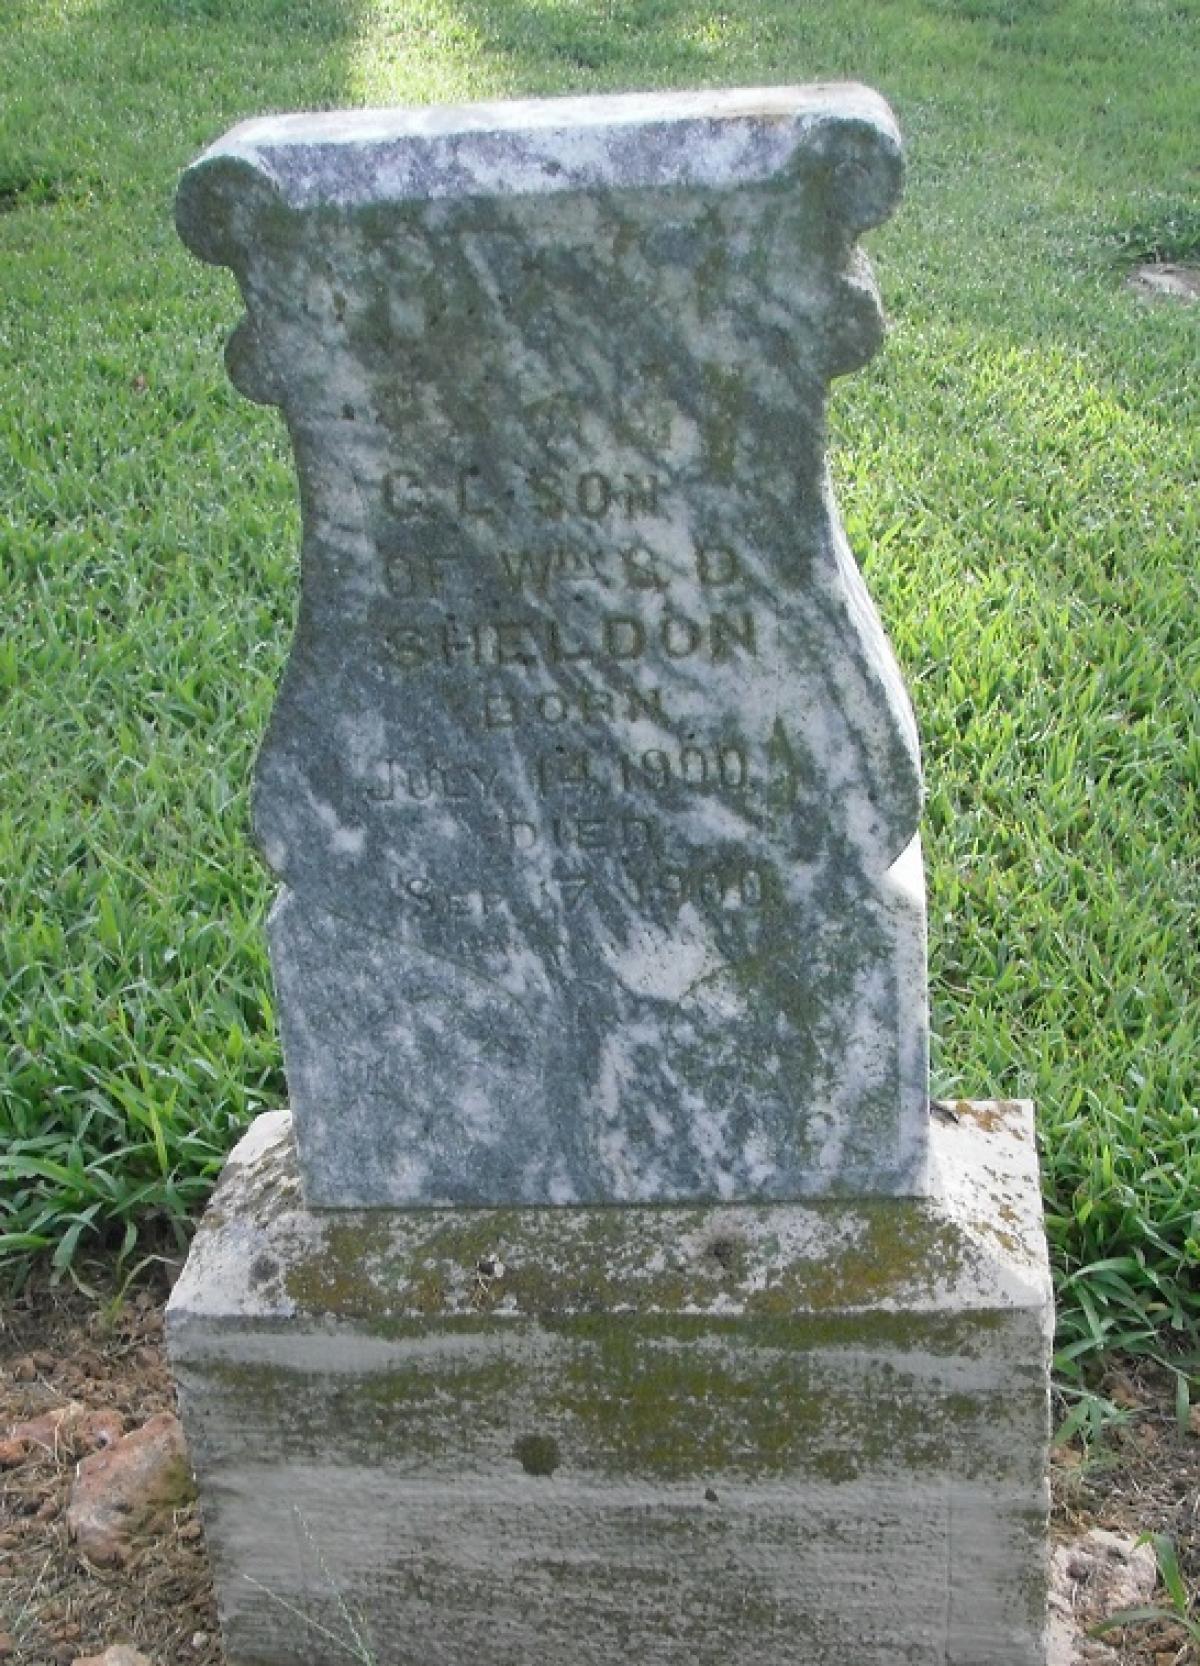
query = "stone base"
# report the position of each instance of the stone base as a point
(777, 1435)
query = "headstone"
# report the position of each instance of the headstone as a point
(592, 782)
(594, 789)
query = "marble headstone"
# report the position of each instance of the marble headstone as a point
(592, 783)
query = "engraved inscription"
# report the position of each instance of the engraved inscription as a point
(613, 639)
(510, 708)
(719, 768)
(621, 835)
(588, 494)
(421, 573)
(594, 601)
(724, 885)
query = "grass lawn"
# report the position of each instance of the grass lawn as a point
(1017, 470)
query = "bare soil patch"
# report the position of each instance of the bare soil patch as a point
(60, 1348)
(1166, 281)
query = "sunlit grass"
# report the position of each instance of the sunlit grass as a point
(1018, 471)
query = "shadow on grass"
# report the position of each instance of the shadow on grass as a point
(550, 46)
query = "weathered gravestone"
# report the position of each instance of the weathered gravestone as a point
(592, 783)
(594, 789)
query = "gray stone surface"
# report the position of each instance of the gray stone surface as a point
(592, 783)
(777, 1435)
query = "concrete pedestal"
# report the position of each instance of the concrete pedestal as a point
(782, 1435)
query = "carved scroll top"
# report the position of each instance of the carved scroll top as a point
(544, 147)
(626, 183)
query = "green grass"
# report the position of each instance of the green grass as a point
(1018, 470)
